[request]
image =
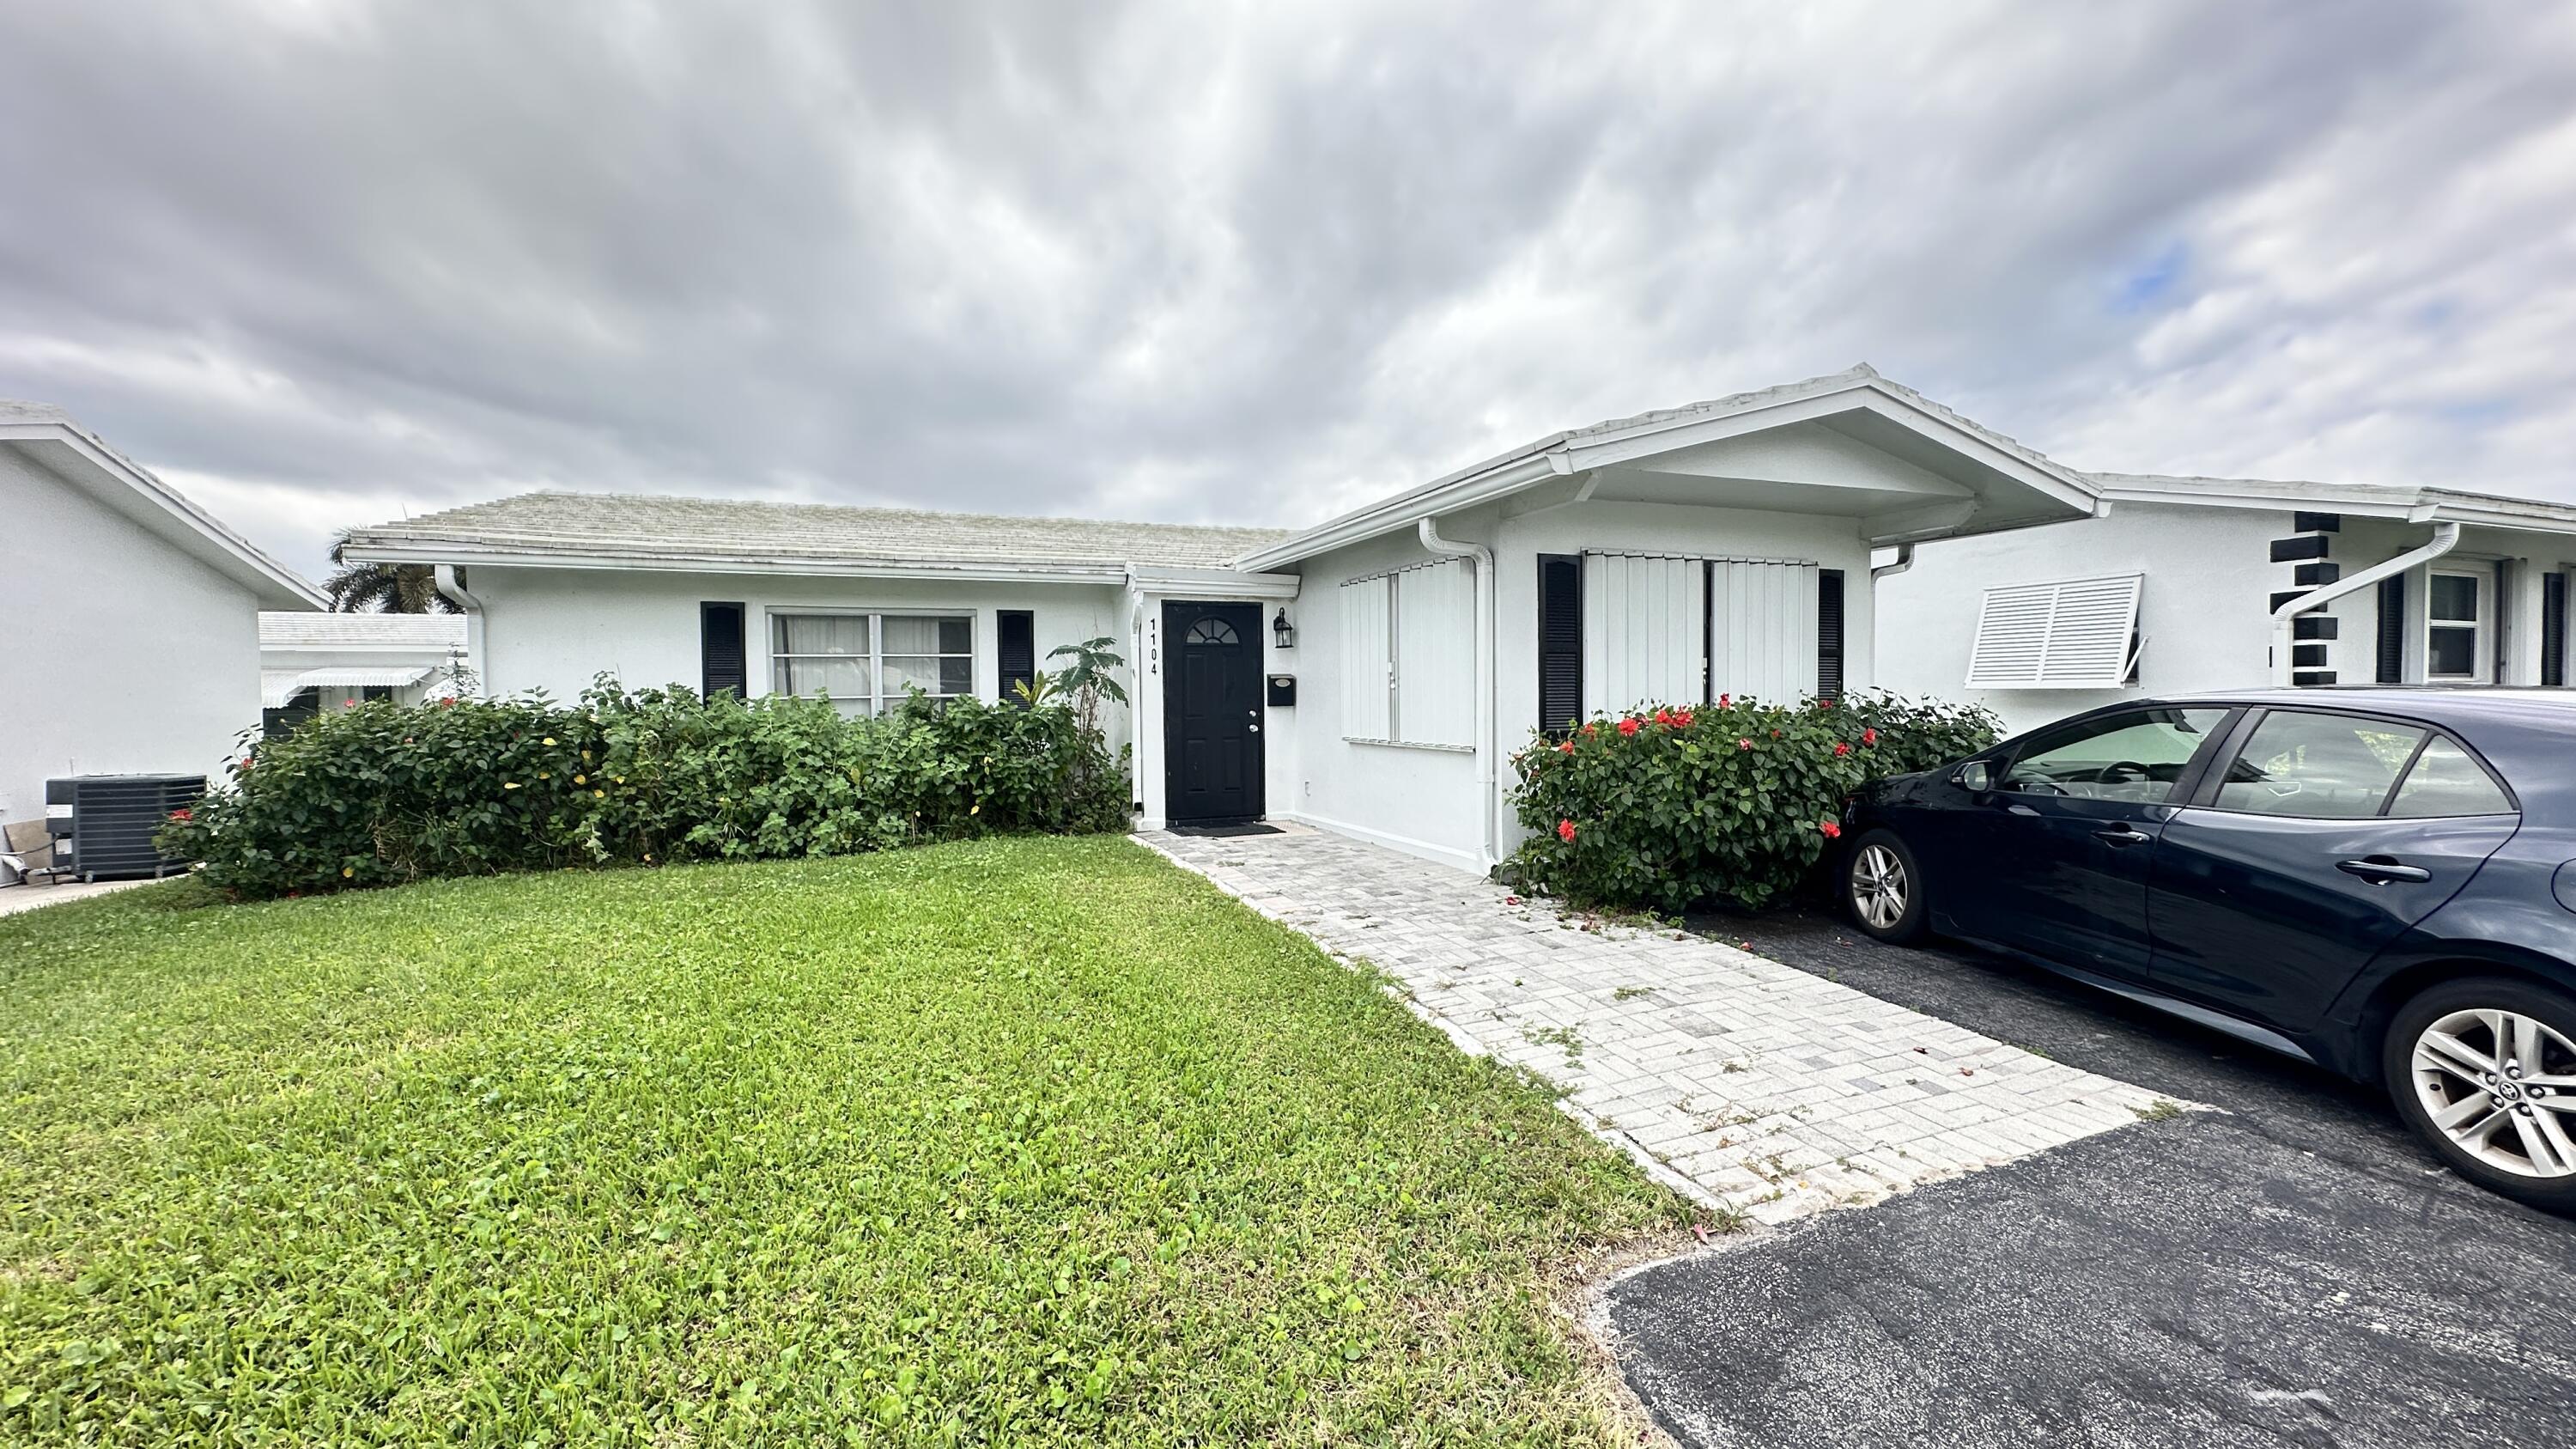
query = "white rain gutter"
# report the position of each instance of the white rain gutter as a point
(2446, 536)
(1904, 561)
(1429, 530)
(453, 589)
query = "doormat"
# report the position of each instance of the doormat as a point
(1220, 832)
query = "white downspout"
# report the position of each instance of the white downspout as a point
(2446, 536)
(1904, 561)
(453, 589)
(1484, 562)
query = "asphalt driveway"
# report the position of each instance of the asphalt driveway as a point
(2294, 1271)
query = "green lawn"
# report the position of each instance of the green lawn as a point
(1028, 1141)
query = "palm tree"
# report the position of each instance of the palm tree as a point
(386, 588)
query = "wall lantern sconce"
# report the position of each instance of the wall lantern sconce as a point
(1282, 633)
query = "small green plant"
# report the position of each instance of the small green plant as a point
(1090, 678)
(2159, 1110)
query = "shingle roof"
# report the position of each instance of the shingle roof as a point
(433, 632)
(720, 530)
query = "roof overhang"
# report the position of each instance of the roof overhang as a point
(80, 458)
(1852, 444)
(278, 687)
(377, 547)
(1216, 583)
(2358, 500)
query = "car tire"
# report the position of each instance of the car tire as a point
(2498, 1128)
(1882, 888)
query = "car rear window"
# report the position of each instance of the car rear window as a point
(2447, 780)
(2318, 766)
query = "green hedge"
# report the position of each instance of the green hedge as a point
(379, 793)
(1678, 805)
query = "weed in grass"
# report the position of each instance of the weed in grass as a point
(1033, 1141)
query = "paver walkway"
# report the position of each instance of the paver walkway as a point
(1761, 1087)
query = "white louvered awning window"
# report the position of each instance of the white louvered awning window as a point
(2071, 634)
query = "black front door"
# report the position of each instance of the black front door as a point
(1212, 713)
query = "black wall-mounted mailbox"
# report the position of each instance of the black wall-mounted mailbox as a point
(1283, 689)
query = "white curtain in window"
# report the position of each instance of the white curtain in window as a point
(1762, 630)
(1435, 654)
(822, 634)
(1367, 658)
(1644, 628)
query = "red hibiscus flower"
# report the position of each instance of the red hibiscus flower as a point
(1566, 748)
(1725, 700)
(1841, 748)
(1592, 729)
(1869, 737)
(1565, 831)
(1628, 726)
(183, 813)
(1663, 716)
(1744, 744)
(1682, 720)
(1833, 829)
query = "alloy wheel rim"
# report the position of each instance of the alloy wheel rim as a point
(2501, 1085)
(1878, 886)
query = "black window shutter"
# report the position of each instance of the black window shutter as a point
(720, 653)
(2553, 629)
(1016, 635)
(1560, 641)
(1829, 634)
(2392, 630)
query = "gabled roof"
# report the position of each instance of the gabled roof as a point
(1838, 395)
(350, 633)
(610, 530)
(84, 460)
(2373, 500)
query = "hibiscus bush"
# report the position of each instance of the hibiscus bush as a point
(380, 793)
(1675, 805)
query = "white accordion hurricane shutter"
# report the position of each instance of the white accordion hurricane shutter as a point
(2067, 634)
(1643, 637)
(1367, 688)
(1435, 655)
(1762, 630)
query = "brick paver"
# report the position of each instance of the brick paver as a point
(1744, 1082)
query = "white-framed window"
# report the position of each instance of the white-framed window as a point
(2067, 634)
(2456, 604)
(1409, 656)
(866, 663)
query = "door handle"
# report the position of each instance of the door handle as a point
(2123, 837)
(2380, 870)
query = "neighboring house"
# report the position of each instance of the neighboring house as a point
(2189, 584)
(310, 663)
(1370, 675)
(133, 617)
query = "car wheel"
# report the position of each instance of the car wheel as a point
(1883, 888)
(2485, 1071)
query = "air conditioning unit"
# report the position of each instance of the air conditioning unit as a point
(103, 824)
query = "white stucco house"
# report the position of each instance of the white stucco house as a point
(1368, 675)
(313, 663)
(2185, 584)
(132, 644)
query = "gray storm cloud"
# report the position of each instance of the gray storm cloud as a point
(321, 263)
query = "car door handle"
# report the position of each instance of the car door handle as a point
(2380, 870)
(2123, 837)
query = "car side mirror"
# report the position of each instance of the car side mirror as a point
(1975, 775)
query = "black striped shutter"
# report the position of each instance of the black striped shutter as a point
(1560, 641)
(1017, 631)
(2553, 629)
(1829, 634)
(2392, 630)
(722, 665)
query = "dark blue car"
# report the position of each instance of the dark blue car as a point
(2381, 881)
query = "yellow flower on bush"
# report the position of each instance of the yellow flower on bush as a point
(581, 779)
(509, 784)
(550, 739)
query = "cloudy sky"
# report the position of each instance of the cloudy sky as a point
(326, 262)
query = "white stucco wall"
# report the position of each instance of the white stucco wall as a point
(1426, 801)
(123, 654)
